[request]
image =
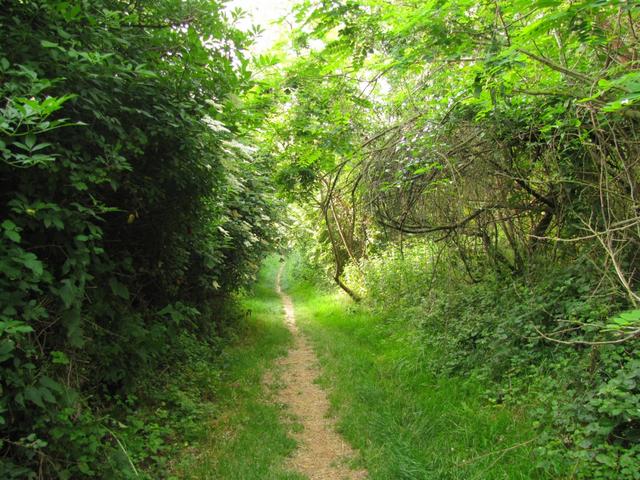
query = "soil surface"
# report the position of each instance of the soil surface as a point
(322, 454)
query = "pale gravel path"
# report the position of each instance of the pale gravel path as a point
(322, 453)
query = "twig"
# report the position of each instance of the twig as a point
(555, 66)
(584, 342)
(504, 450)
(133, 467)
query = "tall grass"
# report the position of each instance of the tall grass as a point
(407, 422)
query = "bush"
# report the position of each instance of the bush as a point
(127, 207)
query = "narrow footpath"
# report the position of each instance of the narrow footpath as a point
(322, 454)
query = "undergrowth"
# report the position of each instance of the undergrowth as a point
(434, 374)
(406, 422)
(206, 415)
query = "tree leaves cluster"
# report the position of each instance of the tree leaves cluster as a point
(128, 205)
(523, 114)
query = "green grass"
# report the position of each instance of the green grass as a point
(407, 423)
(246, 437)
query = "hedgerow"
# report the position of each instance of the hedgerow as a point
(129, 207)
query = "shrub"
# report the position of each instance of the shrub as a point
(126, 206)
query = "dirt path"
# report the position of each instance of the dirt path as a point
(323, 454)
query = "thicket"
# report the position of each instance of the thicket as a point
(129, 210)
(472, 167)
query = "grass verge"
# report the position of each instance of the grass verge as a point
(407, 423)
(244, 437)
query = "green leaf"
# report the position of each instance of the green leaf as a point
(48, 44)
(30, 141)
(72, 319)
(15, 326)
(605, 460)
(46, 395)
(34, 395)
(51, 384)
(119, 289)
(32, 263)
(6, 347)
(11, 231)
(68, 292)
(623, 321)
(59, 358)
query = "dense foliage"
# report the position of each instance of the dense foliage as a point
(128, 209)
(469, 169)
(472, 166)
